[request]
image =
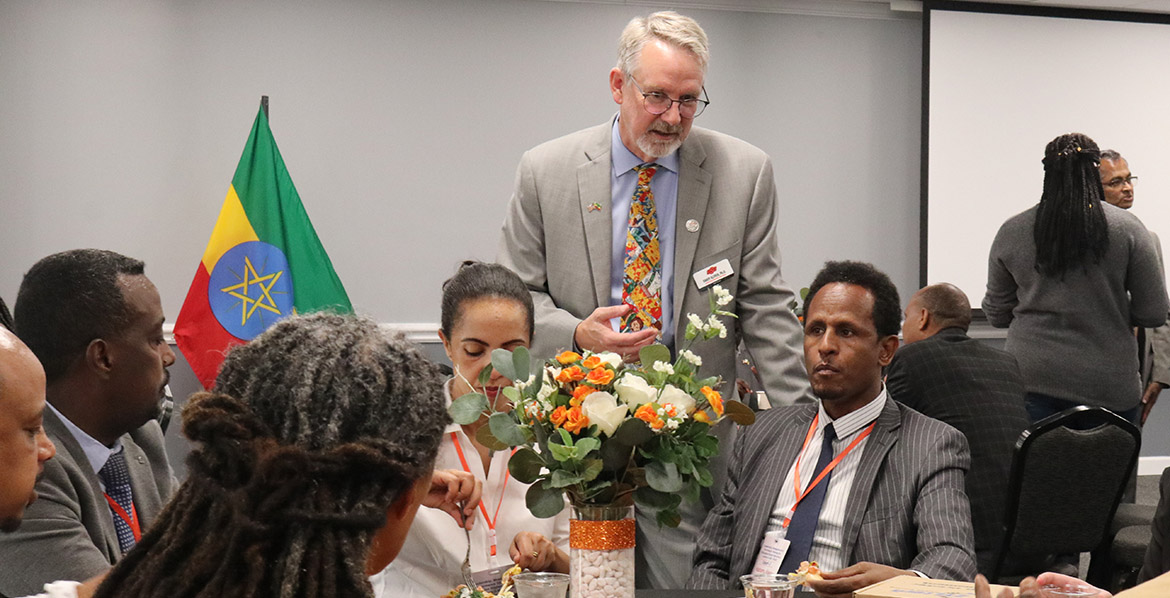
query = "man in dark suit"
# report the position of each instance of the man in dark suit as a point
(865, 486)
(1157, 553)
(944, 374)
(94, 321)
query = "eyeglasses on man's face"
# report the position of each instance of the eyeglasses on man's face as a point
(1120, 181)
(657, 102)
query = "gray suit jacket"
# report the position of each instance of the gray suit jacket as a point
(906, 509)
(68, 533)
(559, 243)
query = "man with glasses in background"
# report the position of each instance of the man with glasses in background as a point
(622, 229)
(1153, 343)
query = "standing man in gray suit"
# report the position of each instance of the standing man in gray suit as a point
(1154, 350)
(94, 321)
(620, 231)
(864, 486)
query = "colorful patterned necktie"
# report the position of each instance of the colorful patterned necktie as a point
(116, 476)
(642, 283)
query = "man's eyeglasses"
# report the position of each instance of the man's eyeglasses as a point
(1117, 182)
(657, 102)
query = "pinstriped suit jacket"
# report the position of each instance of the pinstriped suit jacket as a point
(906, 509)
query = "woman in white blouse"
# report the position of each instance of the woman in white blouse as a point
(485, 307)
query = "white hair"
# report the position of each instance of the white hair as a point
(668, 26)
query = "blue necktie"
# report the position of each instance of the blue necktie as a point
(116, 477)
(803, 526)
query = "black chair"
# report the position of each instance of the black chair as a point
(1068, 474)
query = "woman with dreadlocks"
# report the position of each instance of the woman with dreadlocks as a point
(314, 451)
(1070, 277)
(484, 307)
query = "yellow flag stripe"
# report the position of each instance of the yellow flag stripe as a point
(231, 229)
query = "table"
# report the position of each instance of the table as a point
(688, 594)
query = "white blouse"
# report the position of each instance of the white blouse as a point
(429, 564)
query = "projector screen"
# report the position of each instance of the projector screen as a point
(1000, 85)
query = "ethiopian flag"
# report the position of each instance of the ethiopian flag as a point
(263, 262)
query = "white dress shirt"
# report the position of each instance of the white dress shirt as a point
(429, 564)
(826, 546)
(95, 452)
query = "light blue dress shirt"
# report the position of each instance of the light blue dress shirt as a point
(95, 452)
(664, 186)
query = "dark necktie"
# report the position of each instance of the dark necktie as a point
(803, 526)
(116, 477)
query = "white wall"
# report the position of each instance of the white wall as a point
(121, 124)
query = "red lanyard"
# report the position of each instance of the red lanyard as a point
(832, 464)
(130, 518)
(491, 522)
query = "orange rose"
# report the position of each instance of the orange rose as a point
(558, 416)
(600, 376)
(657, 424)
(646, 413)
(576, 420)
(714, 398)
(591, 362)
(701, 416)
(568, 357)
(671, 410)
(571, 374)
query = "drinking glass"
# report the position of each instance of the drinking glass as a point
(540, 585)
(768, 586)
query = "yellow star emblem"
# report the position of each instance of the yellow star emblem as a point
(263, 300)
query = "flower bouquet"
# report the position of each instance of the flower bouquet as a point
(608, 434)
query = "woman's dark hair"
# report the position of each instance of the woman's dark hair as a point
(478, 280)
(1070, 222)
(313, 430)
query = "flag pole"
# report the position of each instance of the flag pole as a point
(264, 105)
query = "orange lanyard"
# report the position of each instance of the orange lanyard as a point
(491, 523)
(832, 464)
(130, 518)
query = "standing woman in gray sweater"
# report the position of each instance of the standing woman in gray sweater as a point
(1070, 278)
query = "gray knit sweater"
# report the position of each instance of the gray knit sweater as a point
(1074, 337)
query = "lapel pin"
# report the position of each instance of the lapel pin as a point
(595, 207)
(692, 225)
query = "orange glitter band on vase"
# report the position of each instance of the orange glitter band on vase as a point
(602, 535)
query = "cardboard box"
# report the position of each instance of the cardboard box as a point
(910, 586)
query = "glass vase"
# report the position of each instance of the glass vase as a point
(601, 551)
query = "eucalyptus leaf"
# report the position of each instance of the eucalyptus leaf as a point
(502, 361)
(651, 498)
(663, 477)
(587, 445)
(668, 518)
(512, 393)
(521, 363)
(484, 375)
(505, 429)
(562, 477)
(739, 413)
(651, 354)
(615, 455)
(525, 465)
(592, 470)
(544, 502)
(561, 452)
(467, 408)
(633, 432)
(703, 477)
(485, 437)
(566, 438)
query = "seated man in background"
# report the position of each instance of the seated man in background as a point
(891, 500)
(94, 321)
(945, 374)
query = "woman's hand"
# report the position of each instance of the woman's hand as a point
(451, 488)
(535, 552)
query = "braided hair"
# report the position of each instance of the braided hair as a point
(312, 431)
(1070, 224)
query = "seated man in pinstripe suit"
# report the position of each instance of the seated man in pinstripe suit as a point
(945, 374)
(866, 487)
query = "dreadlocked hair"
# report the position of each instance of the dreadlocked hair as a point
(1070, 224)
(313, 430)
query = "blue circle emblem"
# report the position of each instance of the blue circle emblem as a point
(250, 289)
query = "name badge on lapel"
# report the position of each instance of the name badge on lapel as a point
(712, 274)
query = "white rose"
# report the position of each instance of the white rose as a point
(613, 359)
(691, 357)
(603, 410)
(674, 395)
(634, 390)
